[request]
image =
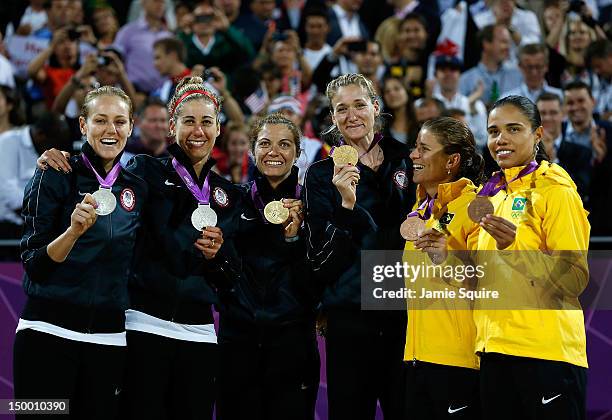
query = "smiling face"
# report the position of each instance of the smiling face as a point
(578, 36)
(394, 94)
(412, 35)
(107, 126)
(511, 140)
(354, 113)
(579, 106)
(275, 151)
(429, 161)
(196, 129)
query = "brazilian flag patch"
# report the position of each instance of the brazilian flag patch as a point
(446, 218)
(519, 204)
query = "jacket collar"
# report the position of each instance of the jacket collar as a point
(179, 154)
(286, 189)
(448, 191)
(95, 160)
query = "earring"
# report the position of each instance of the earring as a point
(448, 172)
(536, 149)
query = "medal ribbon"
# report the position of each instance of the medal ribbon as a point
(427, 204)
(377, 138)
(202, 195)
(111, 177)
(490, 188)
(258, 201)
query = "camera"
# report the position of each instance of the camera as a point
(204, 18)
(357, 46)
(209, 76)
(104, 60)
(73, 34)
(279, 36)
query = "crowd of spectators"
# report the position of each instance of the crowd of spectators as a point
(425, 58)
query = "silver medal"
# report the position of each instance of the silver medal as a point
(105, 200)
(203, 216)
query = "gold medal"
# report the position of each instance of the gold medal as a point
(344, 155)
(479, 208)
(275, 212)
(412, 228)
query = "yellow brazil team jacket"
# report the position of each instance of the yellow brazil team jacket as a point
(550, 217)
(444, 336)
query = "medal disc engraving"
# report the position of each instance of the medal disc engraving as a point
(105, 200)
(345, 154)
(412, 228)
(275, 212)
(203, 216)
(479, 208)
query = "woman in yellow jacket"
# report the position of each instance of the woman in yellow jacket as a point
(441, 366)
(532, 346)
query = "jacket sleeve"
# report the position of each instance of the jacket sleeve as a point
(562, 264)
(43, 201)
(333, 234)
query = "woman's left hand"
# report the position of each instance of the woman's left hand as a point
(502, 230)
(210, 242)
(296, 216)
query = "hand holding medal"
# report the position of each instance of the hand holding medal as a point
(296, 217)
(84, 215)
(210, 242)
(433, 242)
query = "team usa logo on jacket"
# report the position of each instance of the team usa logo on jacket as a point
(400, 179)
(220, 197)
(127, 199)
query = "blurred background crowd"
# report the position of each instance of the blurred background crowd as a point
(425, 58)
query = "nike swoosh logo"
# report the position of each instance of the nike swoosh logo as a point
(168, 182)
(454, 410)
(546, 401)
(83, 194)
(243, 217)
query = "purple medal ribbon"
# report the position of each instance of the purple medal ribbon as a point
(377, 138)
(111, 177)
(428, 204)
(258, 201)
(202, 195)
(491, 188)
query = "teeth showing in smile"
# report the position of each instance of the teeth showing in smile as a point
(417, 167)
(196, 142)
(108, 142)
(504, 152)
(273, 163)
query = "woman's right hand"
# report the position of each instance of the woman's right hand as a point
(56, 159)
(84, 216)
(346, 178)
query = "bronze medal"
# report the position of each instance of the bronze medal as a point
(479, 208)
(344, 155)
(412, 228)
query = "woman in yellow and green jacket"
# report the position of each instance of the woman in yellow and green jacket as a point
(532, 344)
(441, 366)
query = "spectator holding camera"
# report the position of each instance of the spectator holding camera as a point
(283, 50)
(574, 48)
(215, 42)
(55, 65)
